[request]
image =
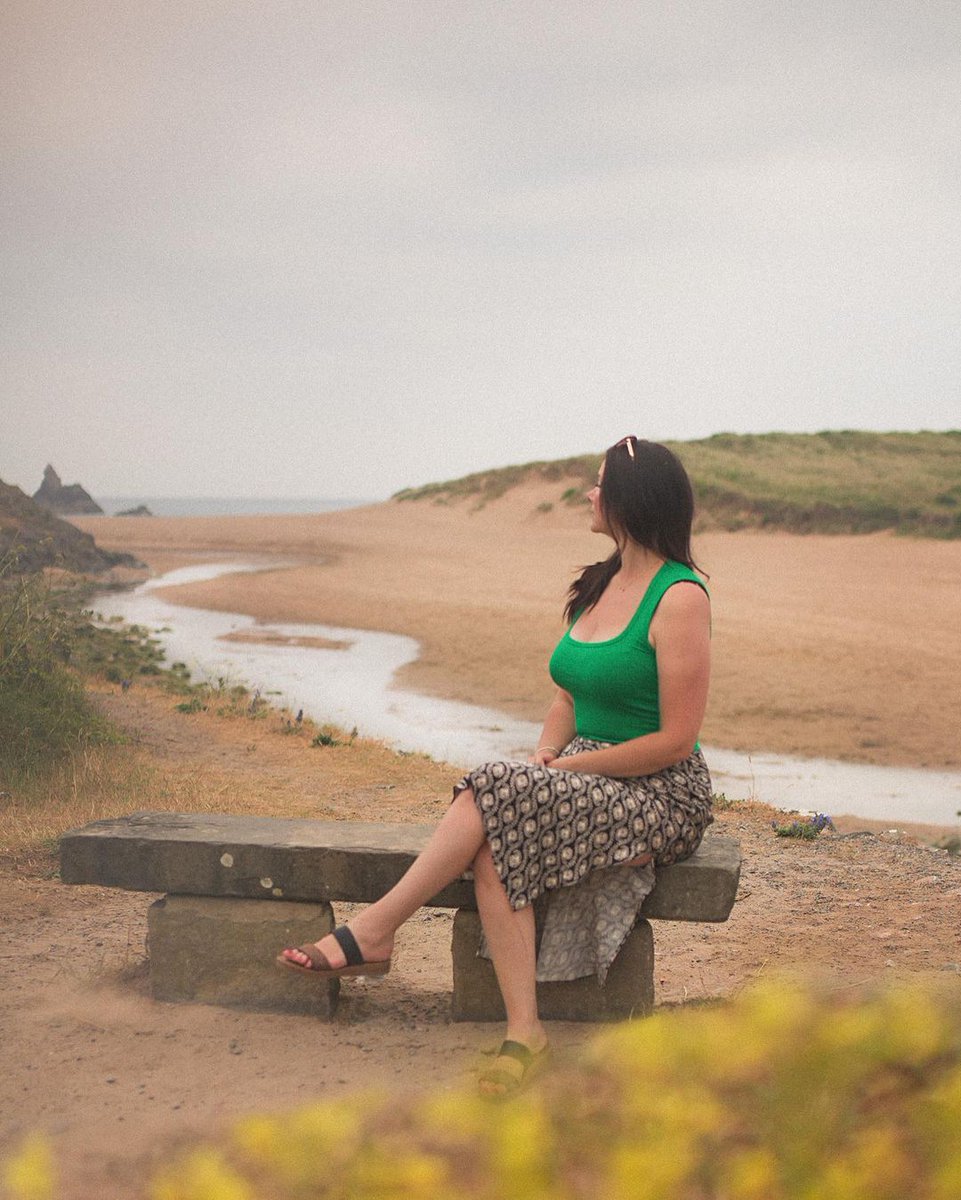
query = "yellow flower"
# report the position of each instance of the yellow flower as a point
(204, 1175)
(30, 1175)
(751, 1175)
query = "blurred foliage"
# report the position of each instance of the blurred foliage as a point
(782, 1094)
(837, 481)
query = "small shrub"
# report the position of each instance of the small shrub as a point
(330, 735)
(193, 705)
(44, 712)
(293, 725)
(805, 830)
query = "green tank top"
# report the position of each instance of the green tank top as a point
(614, 683)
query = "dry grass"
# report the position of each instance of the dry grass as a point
(91, 783)
(216, 759)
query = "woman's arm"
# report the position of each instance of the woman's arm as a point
(680, 633)
(558, 729)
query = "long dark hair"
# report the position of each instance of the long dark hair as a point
(646, 496)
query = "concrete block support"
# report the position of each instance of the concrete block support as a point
(627, 992)
(211, 950)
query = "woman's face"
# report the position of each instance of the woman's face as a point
(599, 522)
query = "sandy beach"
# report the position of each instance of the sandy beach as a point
(839, 647)
(120, 1082)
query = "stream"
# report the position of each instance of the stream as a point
(351, 685)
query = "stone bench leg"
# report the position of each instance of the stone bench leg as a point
(212, 950)
(627, 992)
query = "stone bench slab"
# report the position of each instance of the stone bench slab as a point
(262, 858)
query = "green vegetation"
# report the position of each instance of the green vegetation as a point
(779, 1095)
(842, 481)
(44, 712)
(330, 735)
(833, 482)
(485, 486)
(806, 831)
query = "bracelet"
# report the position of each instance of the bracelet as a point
(554, 748)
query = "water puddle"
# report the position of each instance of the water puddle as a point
(345, 676)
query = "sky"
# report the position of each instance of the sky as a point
(340, 247)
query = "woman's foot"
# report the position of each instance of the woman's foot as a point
(514, 1065)
(343, 952)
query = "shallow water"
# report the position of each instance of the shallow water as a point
(353, 687)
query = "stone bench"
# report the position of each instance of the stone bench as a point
(238, 888)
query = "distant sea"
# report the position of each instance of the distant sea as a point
(228, 506)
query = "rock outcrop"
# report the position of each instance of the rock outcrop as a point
(66, 499)
(38, 539)
(140, 511)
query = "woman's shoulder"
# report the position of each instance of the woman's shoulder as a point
(677, 573)
(688, 594)
(683, 609)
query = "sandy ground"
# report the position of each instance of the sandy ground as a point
(120, 1081)
(835, 647)
(845, 647)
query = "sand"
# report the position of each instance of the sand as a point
(840, 647)
(120, 1082)
(837, 647)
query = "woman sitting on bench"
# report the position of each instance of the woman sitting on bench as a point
(616, 786)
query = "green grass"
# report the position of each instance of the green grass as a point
(484, 486)
(49, 644)
(838, 481)
(44, 710)
(843, 481)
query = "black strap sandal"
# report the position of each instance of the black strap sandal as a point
(320, 965)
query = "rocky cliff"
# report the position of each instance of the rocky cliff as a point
(60, 498)
(39, 539)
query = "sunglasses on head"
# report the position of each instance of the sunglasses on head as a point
(628, 443)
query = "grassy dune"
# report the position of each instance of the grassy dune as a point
(842, 481)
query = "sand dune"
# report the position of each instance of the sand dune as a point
(843, 647)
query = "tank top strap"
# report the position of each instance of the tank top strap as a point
(667, 575)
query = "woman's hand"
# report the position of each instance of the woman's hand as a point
(543, 756)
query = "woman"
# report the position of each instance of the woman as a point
(615, 787)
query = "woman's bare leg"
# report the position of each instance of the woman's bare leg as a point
(511, 943)
(451, 850)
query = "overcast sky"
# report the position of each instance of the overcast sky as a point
(336, 248)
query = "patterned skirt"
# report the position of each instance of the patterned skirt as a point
(568, 834)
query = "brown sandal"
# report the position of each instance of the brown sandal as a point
(320, 965)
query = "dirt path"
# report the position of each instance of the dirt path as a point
(119, 1080)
